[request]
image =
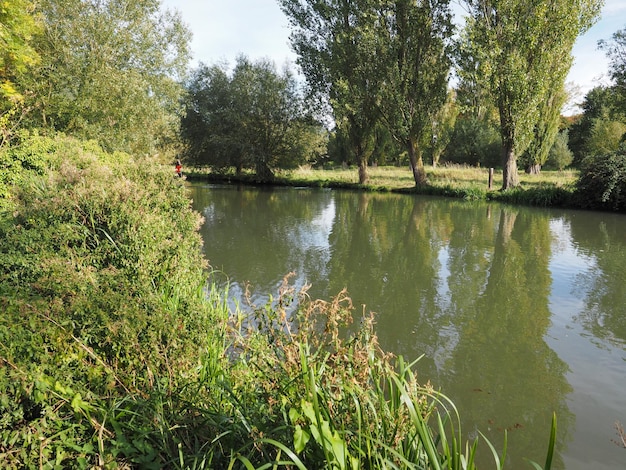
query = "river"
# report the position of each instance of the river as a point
(518, 312)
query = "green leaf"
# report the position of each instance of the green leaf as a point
(300, 439)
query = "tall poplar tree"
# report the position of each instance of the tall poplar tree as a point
(524, 47)
(414, 53)
(335, 43)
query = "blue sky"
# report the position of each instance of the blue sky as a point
(223, 29)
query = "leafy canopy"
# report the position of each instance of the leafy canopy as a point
(524, 49)
(109, 71)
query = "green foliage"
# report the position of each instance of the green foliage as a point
(103, 300)
(474, 142)
(524, 51)
(325, 399)
(560, 155)
(602, 182)
(606, 137)
(253, 118)
(19, 25)
(337, 44)
(415, 64)
(546, 129)
(109, 71)
(600, 104)
(615, 49)
(442, 129)
(26, 156)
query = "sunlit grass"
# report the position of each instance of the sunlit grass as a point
(442, 176)
(451, 180)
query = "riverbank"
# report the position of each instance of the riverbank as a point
(116, 351)
(548, 189)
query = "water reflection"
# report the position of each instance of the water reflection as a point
(506, 304)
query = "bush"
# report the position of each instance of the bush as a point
(102, 289)
(602, 182)
(27, 155)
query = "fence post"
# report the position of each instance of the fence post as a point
(490, 179)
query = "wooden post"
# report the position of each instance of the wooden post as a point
(490, 179)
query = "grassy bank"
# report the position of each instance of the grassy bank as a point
(116, 352)
(550, 188)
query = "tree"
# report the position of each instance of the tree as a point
(335, 44)
(560, 155)
(442, 129)
(546, 129)
(524, 49)
(109, 71)
(602, 182)
(615, 49)
(414, 55)
(474, 142)
(18, 26)
(600, 104)
(254, 117)
(209, 124)
(606, 137)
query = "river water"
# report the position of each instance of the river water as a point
(519, 312)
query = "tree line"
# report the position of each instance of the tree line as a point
(374, 86)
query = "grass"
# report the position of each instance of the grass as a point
(549, 188)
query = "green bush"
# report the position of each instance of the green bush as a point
(102, 289)
(28, 154)
(602, 182)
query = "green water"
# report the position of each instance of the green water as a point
(518, 312)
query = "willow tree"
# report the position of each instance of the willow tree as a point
(413, 51)
(254, 117)
(524, 48)
(335, 43)
(110, 70)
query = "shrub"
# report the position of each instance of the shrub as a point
(27, 154)
(602, 182)
(102, 289)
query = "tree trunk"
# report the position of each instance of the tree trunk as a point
(362, 159)
(417, 163)
(510, 178)
(263, 172)
(533, 169)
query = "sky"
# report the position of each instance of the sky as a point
(224, 29)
